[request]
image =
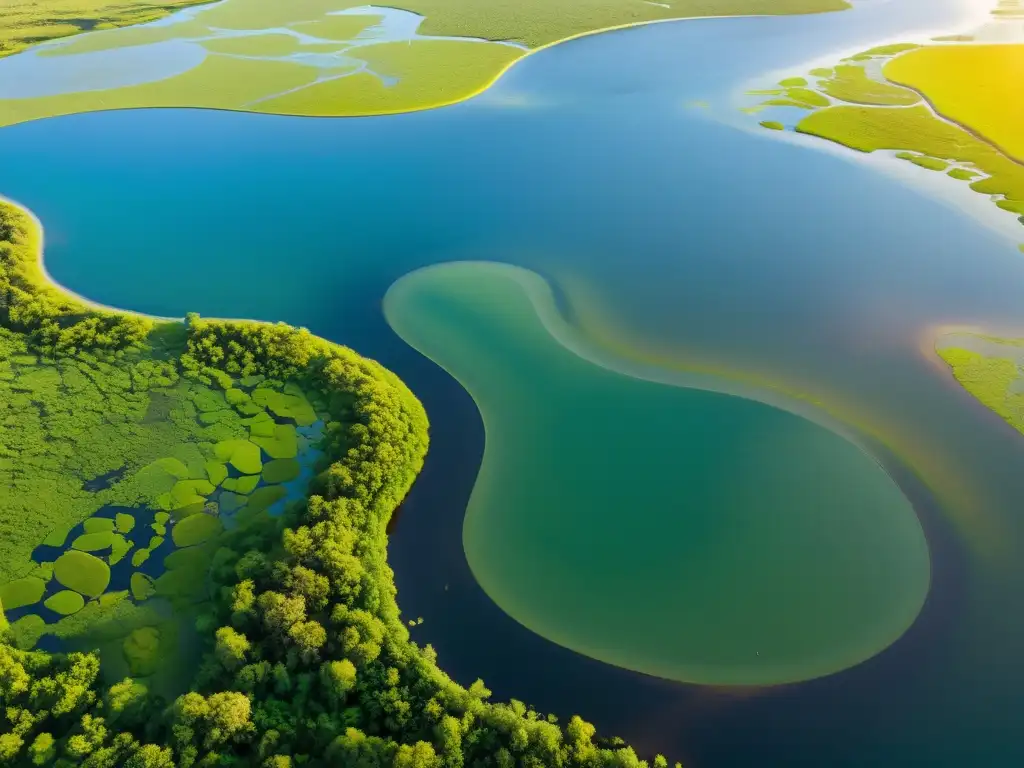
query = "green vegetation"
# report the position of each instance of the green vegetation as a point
(773, 125)
(305, 658)
(849, 82)
(915, 128)
(962, 174)
(974, 85)
(931, 163)
(990, 378)
(82, 572)
(195, 530)
(65, 602)
(27, 22)
(971, 84)
(22, 592)
(247, 66)
(281, 470)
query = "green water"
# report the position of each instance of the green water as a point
(687, 534)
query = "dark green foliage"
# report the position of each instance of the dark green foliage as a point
(308, 662)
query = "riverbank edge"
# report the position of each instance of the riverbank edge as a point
(374, 473)
(457, 99)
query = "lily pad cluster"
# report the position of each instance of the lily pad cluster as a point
(163, 547)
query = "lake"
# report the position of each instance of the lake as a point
(692, 251)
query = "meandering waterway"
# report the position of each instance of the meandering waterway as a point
(674, 241)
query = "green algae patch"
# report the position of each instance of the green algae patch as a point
(118, 549)
(21, 592)
(281, 470)
(195, 530)
(773, 125)
(82, 572)
(124, 523)
(244, 484)
(65, 603)
(751, 545)
(793, 82)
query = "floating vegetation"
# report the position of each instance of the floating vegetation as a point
(82, 572)
(65, 602)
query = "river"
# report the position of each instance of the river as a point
(668, 230)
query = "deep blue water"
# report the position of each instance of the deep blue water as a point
(701, 240)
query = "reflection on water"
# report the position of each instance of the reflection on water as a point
(689, 241)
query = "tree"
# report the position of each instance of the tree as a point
(231, 648)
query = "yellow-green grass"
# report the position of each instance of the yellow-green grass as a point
(931, 163)
(219, 82)
(276, 44)
(978, 86)
(142, 586)
(917, 129)
(431, 72)
(849, 82)
(539, 22)
(65, 602)
(28, 22)
(989, 379)
(195, 530)
(962, 174)
(805, 98)
(82, 572)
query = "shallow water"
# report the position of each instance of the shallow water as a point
(686, 534)
(672, 238)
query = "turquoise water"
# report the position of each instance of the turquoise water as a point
(669, 236)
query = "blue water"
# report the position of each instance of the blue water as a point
(697, 241)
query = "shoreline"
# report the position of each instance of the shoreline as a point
(457, 100)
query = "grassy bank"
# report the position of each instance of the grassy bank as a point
(249, 50)
(284, 629)
(24, 23)
(976, 130)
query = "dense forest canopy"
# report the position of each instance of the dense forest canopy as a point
(306, 660)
